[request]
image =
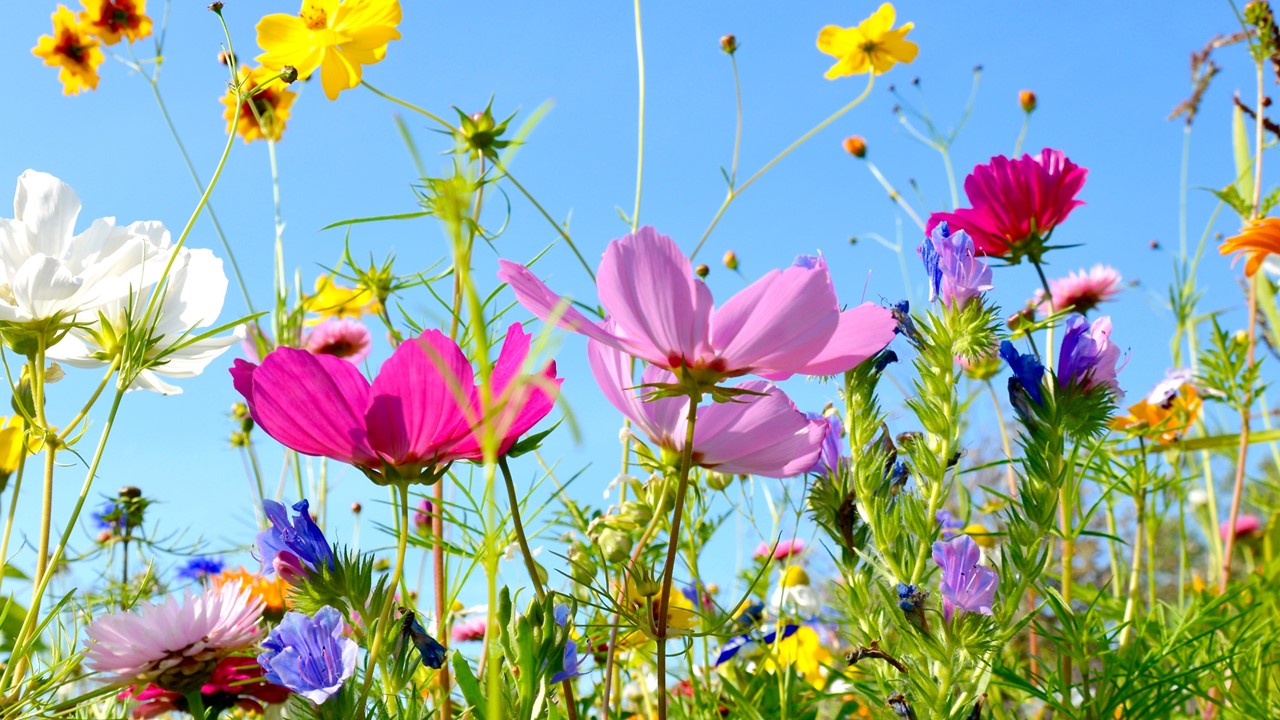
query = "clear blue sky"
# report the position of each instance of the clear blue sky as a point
(1106, 75)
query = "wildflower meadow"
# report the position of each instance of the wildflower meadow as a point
(634, 361)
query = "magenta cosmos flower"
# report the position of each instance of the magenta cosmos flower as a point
(1081, 290)
(757, 434)
(787, 322)
(1016, 204)
(421, 412)
(784, 550)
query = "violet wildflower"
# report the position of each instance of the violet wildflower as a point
(1088, 357)
(571, 664)
(955, 273)
(292, 548)
(966, 585)
(422, 516)
(199, 569)
(948, 522)
(829, 458)
(1025, 384)
(309, 655)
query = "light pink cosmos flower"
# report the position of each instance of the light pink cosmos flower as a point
(753, 435)
(787, 322)
(177, 644)
(422, 411)
(1081, 291)
(345, 338)
(1246, 526)
(784, 550)
(1016, 204)
(469, 630)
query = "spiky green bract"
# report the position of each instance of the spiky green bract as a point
(348, 586)
(1225, 371)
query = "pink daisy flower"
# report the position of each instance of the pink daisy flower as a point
(177, 644)
(784, 550)
(469, 630)
(344, 338)
(1016, 204)
(1246, 525)
(1081, 291)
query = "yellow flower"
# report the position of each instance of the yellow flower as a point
(873, 46)
(270, 589)
(12, 447)
(682, 618)
(802, 650)
(1161, 423)
(71, 49)
(330, 300)
(338, 37)
(262, 116)
(111, 20)
(981, 535)
(1258, 239)
(794, 575)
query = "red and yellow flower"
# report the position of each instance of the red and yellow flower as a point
(73, 50)
(111, 20)
(265, 109)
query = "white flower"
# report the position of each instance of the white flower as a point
(46, 273)
(1197, 497)
(794, 601)
(192, 299)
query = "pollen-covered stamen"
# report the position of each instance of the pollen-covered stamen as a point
(314, 17)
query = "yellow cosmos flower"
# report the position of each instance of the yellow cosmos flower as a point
(111, 20)
(1165, 424)
(262, 116)
(1258, 239)
(873, 46)
(803, 651)
(682, 618)
(72, 49)
(339, 37)
(270, 589)
(330, 300)
(13, 446)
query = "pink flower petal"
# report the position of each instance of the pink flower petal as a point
(312, 404)
(762, 435)
(648, 287)
(416, 405)
(612, 370)
(545, 304)
(862, 332)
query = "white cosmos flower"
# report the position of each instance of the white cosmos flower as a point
(192, 299)
(46, 272)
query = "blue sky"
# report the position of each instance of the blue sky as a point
(1106, 78)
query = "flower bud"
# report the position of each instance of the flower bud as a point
(719, 481)
(1027, 100)
(729, 44)
(288, 74)
(702, 270)
(356, 508)
(856, 146)
(615, 546)
(381, 564)
(422, 517)
(731, 260)
(130, 492)
(226, 58)
(216, 7)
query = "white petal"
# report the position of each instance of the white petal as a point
(48, 207)
(43, 287)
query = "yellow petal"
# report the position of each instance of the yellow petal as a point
(337, 74)
(833, 40)
(879, 22)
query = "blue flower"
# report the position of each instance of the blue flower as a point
(292, 548)
(109, 516)
(1025, 385)
(571, 664)
(432, 652)
(751, 614)
(901, 312)
(955, 273)
(736, 644)
(948, 522)
(1088, 358)
(309, 655)
(199, 568)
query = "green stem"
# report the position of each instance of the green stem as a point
(565, 235)
(945, 151)
(281, 283)
(736, 191)
(737, 131)
(1022, 134)
(195, 705)
(384, 614)
(635, 213)
(894, 195)
(13, 509)
(409, 106)
(673, 544)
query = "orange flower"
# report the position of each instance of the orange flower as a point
(270, 589)
(1164, 423)
(1259, 239)
(73, 50)
(262, 116)
(112, 19)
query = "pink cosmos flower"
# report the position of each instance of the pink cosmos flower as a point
(344, 338)
(469, 630)
(784, 550)
(178, 644)
(422, 411)
(1246, 525)
(757, 434)
(236, 682)
(1081, 291)
(1016, 204)
(785, 323)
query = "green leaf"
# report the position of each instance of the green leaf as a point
(1244, 159)
(469, 685)
(378, 218)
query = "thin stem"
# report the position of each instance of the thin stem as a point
(1242, 454)
(1022, 135)
(1135, 567)
(737, 131)
(13, 509)
(736, 191)
(501, 168)
(894, 195)
(1011, 475)
(668, 569)
(945, 151)
(635, 212)
(281, 283)
(384, 615)
(565, 685)
(409, 106)
(195, 705)
(50, 460)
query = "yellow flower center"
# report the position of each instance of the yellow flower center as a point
(314, 17)
(869, 47)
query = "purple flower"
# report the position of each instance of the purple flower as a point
(422, 516)
(199, 568)
(309, 655)
(955, 273)
(571, 665)
(966, 585)
(948, 522)
(292, 548)
(829, 458)
(1088, 357)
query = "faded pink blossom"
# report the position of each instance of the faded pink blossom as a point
(784, 550)
(1016, 204)
(421, 412)
(469, 630)
(1081, 290)
(787, 322)
(345, 338)
(1246, 526)
(760, 433)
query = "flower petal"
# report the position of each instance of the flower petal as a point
(48, 208)
(759, 435)
(862, 332)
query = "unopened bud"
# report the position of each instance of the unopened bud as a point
(288, 74)
(216, 7)
(54, 373)
(1027, 100)
(356, 508)
(731, 260)
(381, 564)
(1020, 318)
(239, 411)
(131, 492)
(855, 146)
(718, 481)
(226, 58)
(729, 44)
(702, 271)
